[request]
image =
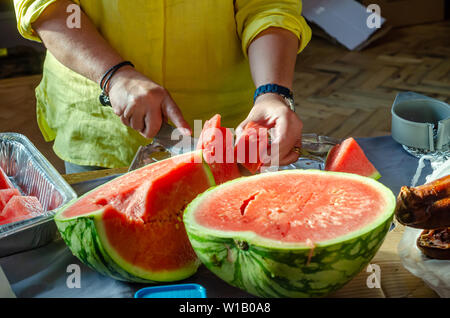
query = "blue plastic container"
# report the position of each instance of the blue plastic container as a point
(172, 291)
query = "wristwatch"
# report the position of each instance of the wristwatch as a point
(285, 92)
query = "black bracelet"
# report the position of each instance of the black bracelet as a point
(104, 98)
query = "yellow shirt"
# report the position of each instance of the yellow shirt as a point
(196, 49)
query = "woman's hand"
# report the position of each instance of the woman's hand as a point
(142, 104)
(271, 111)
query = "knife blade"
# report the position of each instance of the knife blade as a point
(170, 138)
(167, 142)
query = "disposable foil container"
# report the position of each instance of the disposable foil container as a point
(33, 175)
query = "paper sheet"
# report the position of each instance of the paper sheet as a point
(435, 273)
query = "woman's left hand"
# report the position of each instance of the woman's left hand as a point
(270, 110)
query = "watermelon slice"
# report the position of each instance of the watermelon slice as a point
(6, 195)
(20, 208)
(5, 183)
(295, 233)
(131, 228)
(349, 157)
(218, 150)
(252, 147)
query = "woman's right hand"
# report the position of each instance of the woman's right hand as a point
(143, 104)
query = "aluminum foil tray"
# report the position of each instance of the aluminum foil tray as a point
(33, 175)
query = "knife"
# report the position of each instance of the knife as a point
(168, 142)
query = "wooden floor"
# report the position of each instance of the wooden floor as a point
(343, 93)
(338, 93)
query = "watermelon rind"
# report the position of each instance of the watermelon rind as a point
(85, 236)
(376, 175)
(270, 268)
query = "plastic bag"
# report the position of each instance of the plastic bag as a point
(435, 273)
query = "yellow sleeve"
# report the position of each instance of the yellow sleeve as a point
(28, 11)
(254, 16)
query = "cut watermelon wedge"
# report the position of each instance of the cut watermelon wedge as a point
(20, 208)
(349, 157)
(5, 183)
(218, 150)
(252, 147)
(131, 228)
(5, 196)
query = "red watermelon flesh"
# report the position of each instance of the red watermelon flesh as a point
(349, 157)
(141, 212)
(5, 183)
(218, 150)
(20, 208)
(293, 206)
(252, 147)
(6, 195)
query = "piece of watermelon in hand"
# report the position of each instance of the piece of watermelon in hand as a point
(349, 157)
(218, 150)
(207, 134)
(5, 183)
(20, 208)
(6, 195)
(252, 147)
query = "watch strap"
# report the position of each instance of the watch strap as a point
(277, 89)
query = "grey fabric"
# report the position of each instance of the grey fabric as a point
(43, 272)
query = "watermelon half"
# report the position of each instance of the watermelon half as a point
(131, 228)
(295, 233)
(349, 157)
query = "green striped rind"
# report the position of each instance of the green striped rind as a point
(81, 236)
(376, 175)
(269, 268)
(86, 238)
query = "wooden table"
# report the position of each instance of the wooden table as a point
(395, 280)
